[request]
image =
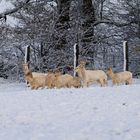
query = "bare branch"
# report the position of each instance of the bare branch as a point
(11, 11)
(112, 23)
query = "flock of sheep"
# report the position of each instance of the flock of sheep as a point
(84, 78)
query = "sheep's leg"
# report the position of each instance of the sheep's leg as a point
(118, 83)
(68, 85)
(105, 82)
(113, 82)
(42, 87)
(58, 86)
(88, 84)
(85, 84)
(52, 85)
(32, 87)
(49, 86)
(36, 87)
(126, 82)
(28, 84)
(129, 81)
(82, 84)
(101, 82)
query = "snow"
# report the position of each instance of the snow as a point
(6, 5)
(107, 113)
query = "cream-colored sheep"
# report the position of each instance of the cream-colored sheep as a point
(91, 76)
(121, 77)
(62, 80)
(58, 80)
(50, 80)
(75, 82)
(38, 75)
(35, 82)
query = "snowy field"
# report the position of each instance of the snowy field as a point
(94, 113)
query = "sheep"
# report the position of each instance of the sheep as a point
(121, 77)
(50, 80)
(58, 80)
(90, 76)
(62, 80)
(35, 82)
(26, 70)
(75, 82)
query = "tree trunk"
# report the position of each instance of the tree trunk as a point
(88, 15)
(62, 24)
(59, 36)
(88, 20)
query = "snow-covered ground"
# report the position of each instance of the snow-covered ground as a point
(94, 113)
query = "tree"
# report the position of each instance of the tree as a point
(11, 11)
(98, 27)
(88, 20)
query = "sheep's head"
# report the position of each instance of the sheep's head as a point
(83, 63)
(78, 68)
(29, 76)
(25, 67)
(109, 71)
(29, 73)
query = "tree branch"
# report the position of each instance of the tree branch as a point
(112, 23)
(11, 11)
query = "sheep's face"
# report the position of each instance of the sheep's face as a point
(109, 71)
(83, 63)
(29, 76)
(25, 68)
(78, 68)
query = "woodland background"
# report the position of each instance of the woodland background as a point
(51, 28)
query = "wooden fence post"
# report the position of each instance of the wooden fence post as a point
(27, 54)
(126, 58)
(76, 57)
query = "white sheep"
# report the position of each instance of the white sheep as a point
(121, 77)
(91, 76)
(35, 82)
